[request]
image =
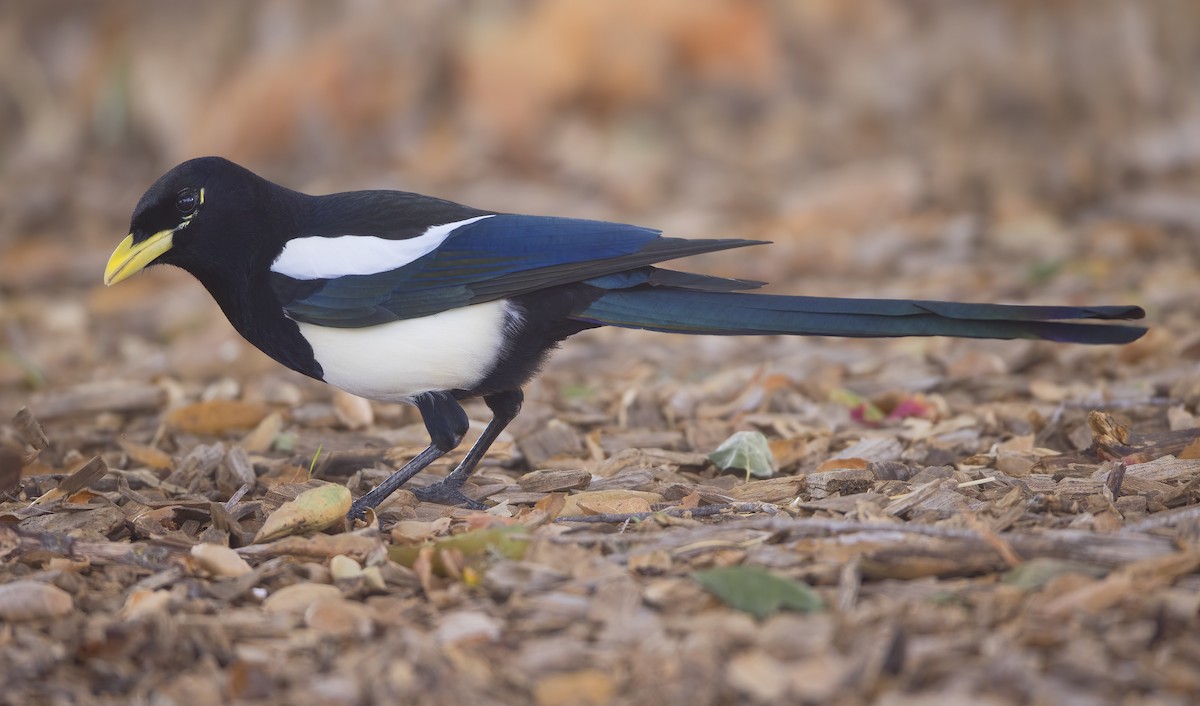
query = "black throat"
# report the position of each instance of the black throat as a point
(236, 272)
(249, 303)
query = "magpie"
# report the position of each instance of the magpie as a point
(400, 297)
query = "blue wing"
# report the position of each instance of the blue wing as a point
(490, 259)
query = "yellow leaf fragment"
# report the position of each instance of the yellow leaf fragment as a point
(216, 416)
(312, 511)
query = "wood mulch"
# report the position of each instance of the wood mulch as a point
(1016, 521)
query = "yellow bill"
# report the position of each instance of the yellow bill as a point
(129, 258)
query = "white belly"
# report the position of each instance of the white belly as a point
(394, 361)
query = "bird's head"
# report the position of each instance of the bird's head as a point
(195, 216)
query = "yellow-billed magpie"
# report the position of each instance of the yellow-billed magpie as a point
(400, 297)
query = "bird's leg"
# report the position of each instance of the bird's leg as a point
(505, 406)
(446, 423)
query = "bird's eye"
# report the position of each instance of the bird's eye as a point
(187, 201)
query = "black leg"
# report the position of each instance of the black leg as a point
(446, 423)
(505, 407)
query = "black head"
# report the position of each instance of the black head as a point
(204, 215)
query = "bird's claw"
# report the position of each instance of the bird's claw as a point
(445, 493)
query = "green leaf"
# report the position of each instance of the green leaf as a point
(476, 546)
(34, 377)
(1035, 573)
(745, 451)
(285, 442)
(757, 591)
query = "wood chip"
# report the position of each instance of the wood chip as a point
(235, 471)
(550, 481)
(1167, 469)
(555, 439)
(95, 397)
(873, 449)
(938, 498)
(847, 481)
(81, 478)
(29, 429)
(772, 490)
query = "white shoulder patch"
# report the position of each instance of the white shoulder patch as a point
(321, 257)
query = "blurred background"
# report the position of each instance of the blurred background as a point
(1013, 150)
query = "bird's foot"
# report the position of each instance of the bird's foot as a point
(446, 493)
(358, 510)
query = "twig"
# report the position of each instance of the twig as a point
(887, 538)
(1162, 520)
(706, 511)
(155, 556)
(237, 496)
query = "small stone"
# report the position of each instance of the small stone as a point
(140, 604)
(758, 675)
(468, 626)
(343, 568)
(339, 617)
(29, 600)
(299, 596)
(352, 411)
(220, 561)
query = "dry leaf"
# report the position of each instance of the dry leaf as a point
(856, 464)
(552, 505)
(587, 687)
(215, 417)
(1191, 451)
(595, 500)
(615, 506)
(147, 456)
(416, 531)
(364, 548)
(312, 511)
(262, 438)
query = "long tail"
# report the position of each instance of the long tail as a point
(681, 310)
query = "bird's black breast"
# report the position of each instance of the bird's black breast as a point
(254, 310)
(542, 321)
